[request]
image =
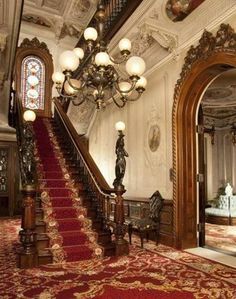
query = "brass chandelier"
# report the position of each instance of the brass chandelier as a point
(99, 80)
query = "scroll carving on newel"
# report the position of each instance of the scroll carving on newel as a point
(225, 38)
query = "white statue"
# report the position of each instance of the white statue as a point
(228, 190)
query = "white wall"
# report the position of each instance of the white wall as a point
(146, 171)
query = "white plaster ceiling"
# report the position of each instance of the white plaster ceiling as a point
(219, 101)
(63, 17)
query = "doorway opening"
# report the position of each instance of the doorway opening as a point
(217, 156)
(214, 55)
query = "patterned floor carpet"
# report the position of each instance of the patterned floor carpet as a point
(222, 237)
(153, 273)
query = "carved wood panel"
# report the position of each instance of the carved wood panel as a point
(212, 56)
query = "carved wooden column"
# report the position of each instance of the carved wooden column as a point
(122, 246)
(27, 256)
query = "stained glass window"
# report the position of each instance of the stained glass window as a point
(33, 82)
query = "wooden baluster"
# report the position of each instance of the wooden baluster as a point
(27, 256)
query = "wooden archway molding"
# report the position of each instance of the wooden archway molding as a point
(212, 56)
(40, 49)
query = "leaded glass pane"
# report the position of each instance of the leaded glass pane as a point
(32, 82)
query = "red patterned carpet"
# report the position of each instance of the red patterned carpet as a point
(154, 273)
(222, 237)
(71, 236)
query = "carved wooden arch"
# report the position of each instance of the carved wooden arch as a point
(212, 56)
(40, 49)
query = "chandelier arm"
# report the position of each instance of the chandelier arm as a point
(78, 104)
(116, 102)
(135, 98)
(64, 96)
(119, 61)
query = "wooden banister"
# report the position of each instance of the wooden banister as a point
(103, 185)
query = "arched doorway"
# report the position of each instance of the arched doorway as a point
(213, 55)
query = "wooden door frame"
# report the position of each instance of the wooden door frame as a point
(39, 49)
(211, 57)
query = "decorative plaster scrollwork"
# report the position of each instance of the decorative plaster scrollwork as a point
(150, 33)
(3, 41)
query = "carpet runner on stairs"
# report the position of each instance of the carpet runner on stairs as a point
(70, 231)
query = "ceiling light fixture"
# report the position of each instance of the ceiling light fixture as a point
(100, 80)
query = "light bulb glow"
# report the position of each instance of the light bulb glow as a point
(90, 33)
(142, 82)
(124, 87)
(135, 66)
(69, 89)
(69, 61)
(58, 77)
(120, 126)
(102, 59)
(79, 52)
(125, 44)
(29, 115)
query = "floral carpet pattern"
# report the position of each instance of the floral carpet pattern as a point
(221, 236)
(156, 272)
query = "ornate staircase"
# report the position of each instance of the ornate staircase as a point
(69, 222)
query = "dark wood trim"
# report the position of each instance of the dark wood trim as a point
(84, 152)
(203, 63)
(43, 53)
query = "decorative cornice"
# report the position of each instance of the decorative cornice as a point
(3, 41)
(34, 43)
(224, 40)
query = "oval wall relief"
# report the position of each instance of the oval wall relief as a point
(154, 137)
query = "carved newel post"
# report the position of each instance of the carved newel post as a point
(27, 256)
(122, 246)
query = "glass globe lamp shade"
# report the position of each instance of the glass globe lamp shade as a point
(90, 33)
(29, 115)
(33, 80)
(135, 66)
(124, 87)
(102, 59)
(125, 44)
(141, 83)
(69, 61)
(79, 52)
(120, 126)
(58, 77)
(69, 89)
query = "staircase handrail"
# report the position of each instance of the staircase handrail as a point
(93, 169)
